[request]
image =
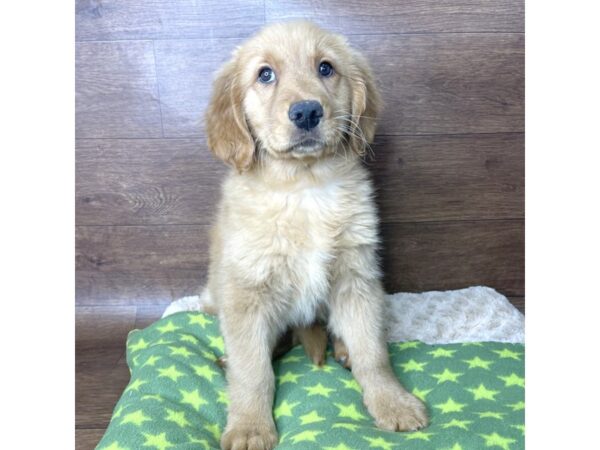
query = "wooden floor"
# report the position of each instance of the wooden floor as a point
(449, 164)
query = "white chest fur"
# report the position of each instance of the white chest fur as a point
(285, 240)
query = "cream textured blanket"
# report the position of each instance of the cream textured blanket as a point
(474, 314)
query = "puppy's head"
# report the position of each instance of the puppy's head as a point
(295, 92)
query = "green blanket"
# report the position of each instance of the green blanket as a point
(177, 398)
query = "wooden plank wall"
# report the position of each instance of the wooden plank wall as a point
(449, 163)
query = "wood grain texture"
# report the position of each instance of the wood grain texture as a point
(392, 16)
(88, 438)
(518, 302)
(158, 264)
(186, 70)
(431, 84)
(101, 375)
(448, 83)
(146, 315)
(119, 265)
(166, 19)
(146, 181)
(418, 178)
(116, 90)
(103, 326)
(458, 177)
(453, 255)
(101, 371)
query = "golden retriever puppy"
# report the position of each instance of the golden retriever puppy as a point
(296, 231)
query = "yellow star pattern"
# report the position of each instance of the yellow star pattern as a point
(223, 397)
(464, 424)
(157, 440)
(118, 412)
(483, 393)
(519, 406)
(188, 338)
(341, 446)
(318, 389)
(285, 409)
(324, 368)
(407, 345)
(141, 344)
(421, 394)
(442, 353)
(347, 426)
(495, 440)
(456, 446)
(180, 351)
(177, 417)
(167, 328)
(351, 384)
(137, 418)
(349, 411)
(292, 358)
(161, 341)
(379, 443)
(289, 377)
(478, 362)
(311, 417)
(192, 398)
(521, 428)
(208, 355)
(491, 415)
(450, 406)
(284, 436)
(506, 353)
(204, 442)
(113, 446)
(413, 366)
(204, 371)
(447, 375)
(199, 319)
(217, 342)
(513, 380)
(151, 360)
(418, 435)
(135, 386)
(308, 435)
(171, 372)
(214, 430)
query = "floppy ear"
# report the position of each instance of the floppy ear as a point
(228, 135)
(366, 104)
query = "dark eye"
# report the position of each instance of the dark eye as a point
(266, 75)
(325, 69)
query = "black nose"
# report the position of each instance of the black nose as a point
(306, 114)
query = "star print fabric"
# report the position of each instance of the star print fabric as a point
(177, 397)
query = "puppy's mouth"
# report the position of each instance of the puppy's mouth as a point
(306, 146)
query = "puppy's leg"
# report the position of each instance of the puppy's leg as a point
(356, 316)
(340, 353)
(249, 340)
(314, 341)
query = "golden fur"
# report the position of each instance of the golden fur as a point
(296, 231)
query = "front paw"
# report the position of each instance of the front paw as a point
(397, 411)
(249, 436)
